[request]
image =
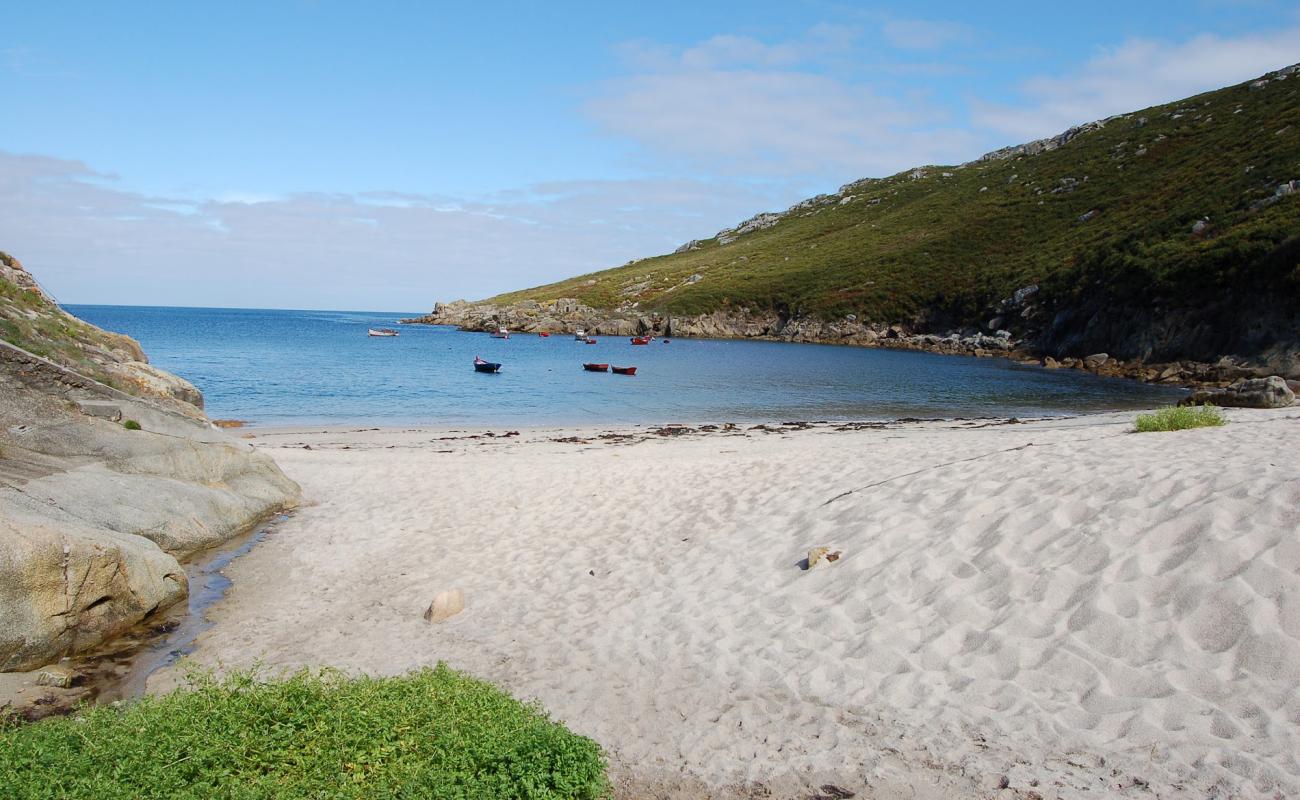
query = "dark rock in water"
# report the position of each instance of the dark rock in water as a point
(1270, 392)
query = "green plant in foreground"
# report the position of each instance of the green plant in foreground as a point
(131, 425)
(1180, 418)
(434, 733)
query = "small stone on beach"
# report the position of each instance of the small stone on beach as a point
(445, 606)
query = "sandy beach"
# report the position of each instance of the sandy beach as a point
(1055, 608)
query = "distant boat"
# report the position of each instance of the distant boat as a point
(381, 332)
(543, 334)
(580, 335)
(591, 341)
(624, 370)
(666, 341)
(640, 340)
(501, 333)
(596, 367)
(485, 366)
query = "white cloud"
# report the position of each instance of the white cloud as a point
(1138, 74)
(922, 34)
(734, 105)
(88, 241)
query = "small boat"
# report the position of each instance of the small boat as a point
(596, 367)
(640, 340)
(666, 341)
(485, 366)
(543, 334)
(623, 370)
(591, 341)
(381, 332)
(580, 335)
(501, 333)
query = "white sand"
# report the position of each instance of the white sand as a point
(1065, 604)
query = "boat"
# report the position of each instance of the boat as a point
(591, 341)
(580, 335)
(501, 333)
(666, 341)
(640, 340)
(543, 334)
(596, 367)
(485, 366)
(623, 370)
(381, 332)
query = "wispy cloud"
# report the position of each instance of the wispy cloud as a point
(923, 34)
(90, 241)
(735, 105)
(1135, 75)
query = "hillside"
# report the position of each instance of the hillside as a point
(30, 319)
(1170, 233)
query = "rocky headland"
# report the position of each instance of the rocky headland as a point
(111, 477)
(567, 315)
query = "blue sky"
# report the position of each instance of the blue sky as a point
(386, 155)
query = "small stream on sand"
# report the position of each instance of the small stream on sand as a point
(120, 668)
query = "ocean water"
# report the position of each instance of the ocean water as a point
(318, 367)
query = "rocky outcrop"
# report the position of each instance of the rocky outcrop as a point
(1270, 392)
(95, 517)
(104, 491)
(33, 321)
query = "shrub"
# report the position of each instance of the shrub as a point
(434, 733)
(131, 425)
(1180, 418)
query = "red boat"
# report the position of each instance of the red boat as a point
(543, 334)
(596, 367)
(640, 340)
(591, 341)
(624, 370)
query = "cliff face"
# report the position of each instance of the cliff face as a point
(95, 517)
(1165, 235)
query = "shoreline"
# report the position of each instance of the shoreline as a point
(644, 588)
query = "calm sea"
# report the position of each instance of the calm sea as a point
(291, 367)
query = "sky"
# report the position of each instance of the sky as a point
(387, 155)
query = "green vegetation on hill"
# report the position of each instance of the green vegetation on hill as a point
(28, 319)
(1116, 206)
(435, 733)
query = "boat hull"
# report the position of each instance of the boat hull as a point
(596, 367)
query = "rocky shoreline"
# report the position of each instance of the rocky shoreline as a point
(567, 315)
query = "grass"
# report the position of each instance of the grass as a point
(1180, 418)
(131, 425)
(941, 249)
(434, 733)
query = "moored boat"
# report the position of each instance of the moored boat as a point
(381, 332)
(640, 340)
(543, 334)
(596, 367)
(623, 370)
(485, 366)
(580, 335)
(501, 333)
(591, 341)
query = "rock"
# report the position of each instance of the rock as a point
(57, 676)
(821, 557)
(1270, 392)
(1096, 360)
(94, 517)
(1294, 386)
(445, 606)
(102, 409)
(1086, 216)
(1051, 363)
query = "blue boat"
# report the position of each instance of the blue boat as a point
(485, 366)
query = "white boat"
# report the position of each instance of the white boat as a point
(501, 333)
(381, 332)
(580, 335)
